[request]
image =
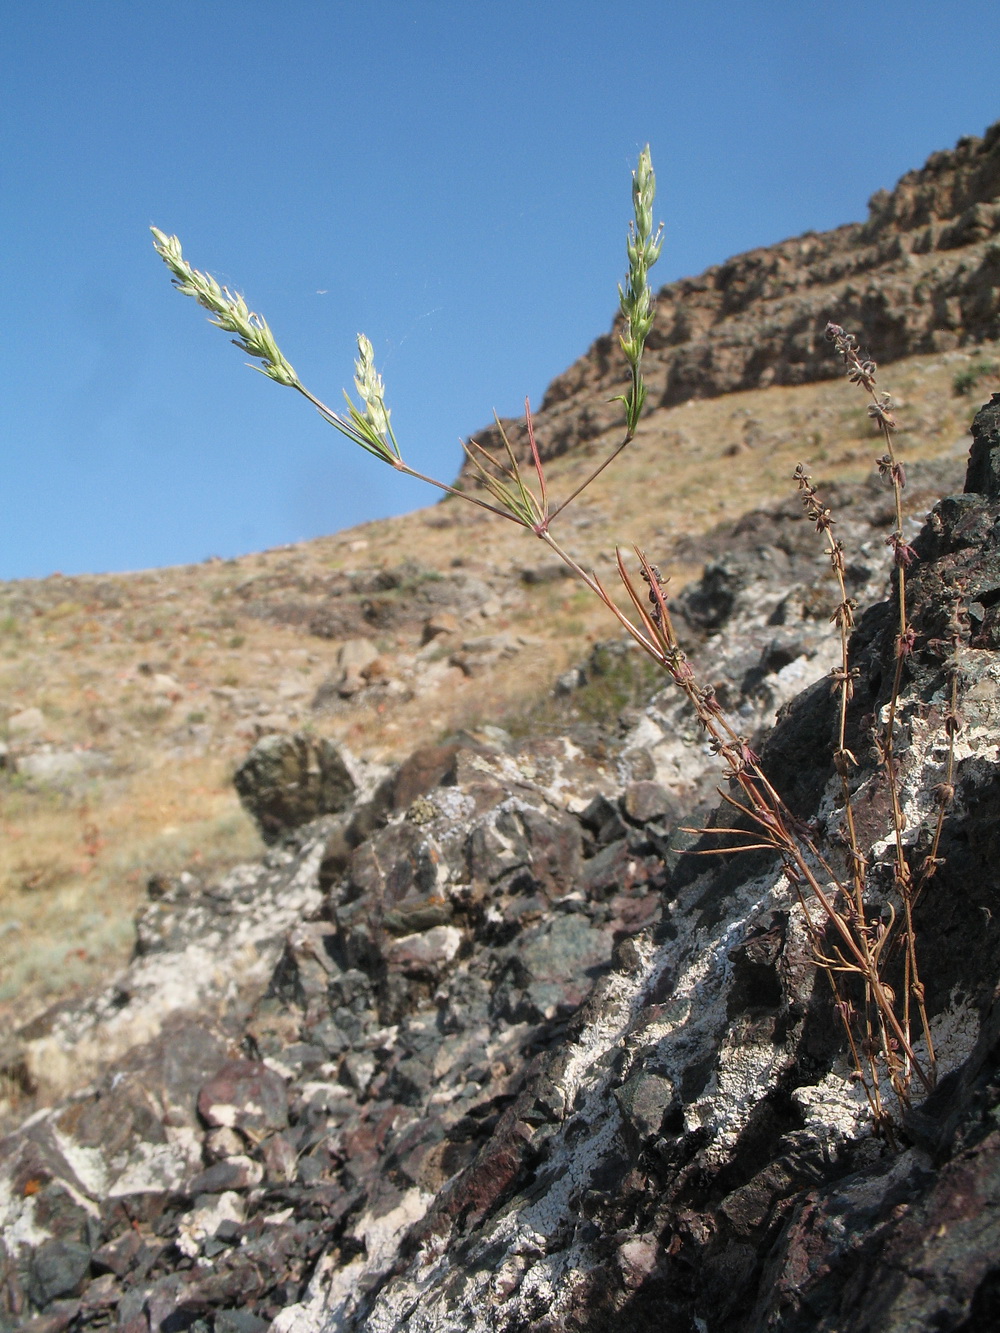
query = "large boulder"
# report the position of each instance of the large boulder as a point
(286, 781)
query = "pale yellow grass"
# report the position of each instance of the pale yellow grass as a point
(73, 870)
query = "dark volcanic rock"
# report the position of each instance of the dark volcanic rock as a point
(984, 461)
(489, 1051)
(244, 1095)
(486, 1049)
(286, 781)
(712, 1164)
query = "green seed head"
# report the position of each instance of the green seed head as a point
(368, 383)
(232, 313)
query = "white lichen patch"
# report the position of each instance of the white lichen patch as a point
(89, 1165)
(334, 1293)
(228, 955)
(204, 1221)
(953, 1032)
(18, 1222)
(156, 1167)
(835, 1108)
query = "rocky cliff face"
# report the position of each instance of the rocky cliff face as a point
(921, 274)
(479, 1047)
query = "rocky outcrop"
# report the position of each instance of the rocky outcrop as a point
(702, 1159)
(347, 604)
(922, 274)
(488, 1050)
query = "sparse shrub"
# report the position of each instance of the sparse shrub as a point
(853, 924)
(149, 715)
(968, 379)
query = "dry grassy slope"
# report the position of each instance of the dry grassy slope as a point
(92, 653)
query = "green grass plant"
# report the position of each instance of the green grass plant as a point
(851, 941)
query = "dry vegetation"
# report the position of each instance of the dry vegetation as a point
(158, 682)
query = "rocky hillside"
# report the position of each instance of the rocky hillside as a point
(922, 274)
(482, 1047)
(126, 701)
(438, 1024)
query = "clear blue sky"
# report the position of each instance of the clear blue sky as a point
(450, 177)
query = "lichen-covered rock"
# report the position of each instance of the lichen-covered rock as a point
(491, 1051)
(286, 781)
(984, 460)
(708, 1161)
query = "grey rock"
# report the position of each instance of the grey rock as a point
(599, 1092)
(26, 725)
(58, 1268)
(646, 1099)
(61, 767)
(239, 1321)
(647, 801)
(232, 1173)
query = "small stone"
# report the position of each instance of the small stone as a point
(419, 914)
(239, 1321)
(280, 1159)
(636, 1260)
(355, 654)
(207, 1216)
(58, 1268)
(328, 1035)
(424, 952)
(644, 1101)
(639, 764)
(603, 818)
(102, 1293)
(245, 1095)
(549, 572)
(232, 1173)
(28, 725)
(627, 957)
(646, 801)
(118, 1256)
(570, 680)
(608, 871)
(58, 1316)
(166, 688)
(223, 1142)
(359, 1068)
(60, 766)
(442, 622)
(286, 781)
